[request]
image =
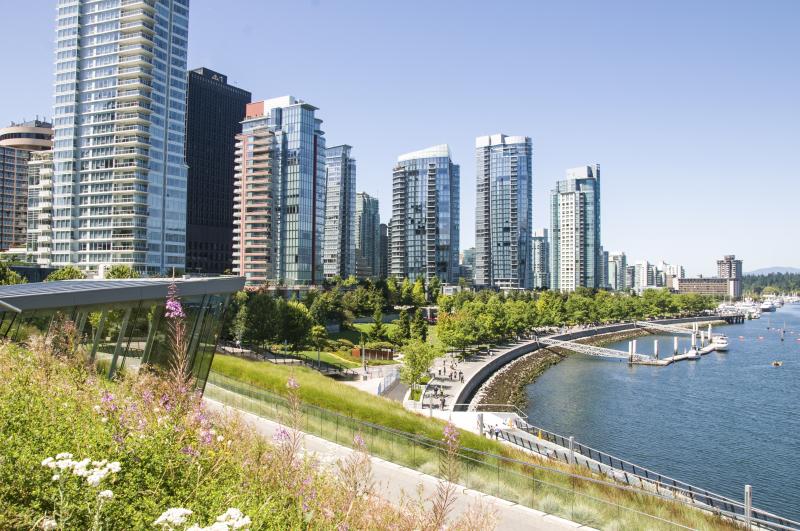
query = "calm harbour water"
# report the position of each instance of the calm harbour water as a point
(719, 423)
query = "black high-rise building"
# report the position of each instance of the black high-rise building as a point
(213, 115)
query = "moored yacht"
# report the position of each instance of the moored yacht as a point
(720, 342)
(767, 306)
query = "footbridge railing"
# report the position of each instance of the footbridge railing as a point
(590, 350)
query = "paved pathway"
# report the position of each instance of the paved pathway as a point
(394, 481)
(452, 387)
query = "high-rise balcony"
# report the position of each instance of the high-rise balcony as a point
(136, 14)
(136, 36)
(127, 72)
(132, 94)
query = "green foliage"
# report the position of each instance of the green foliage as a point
(170, 451)
(418, 295)
(771, 283)
(378, 330)
(69, 272)
(9, 276)
(121, 271)
(419, 327)
(485, 317)
(417, 359)
(434, 289)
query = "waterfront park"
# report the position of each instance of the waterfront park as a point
(288, 362)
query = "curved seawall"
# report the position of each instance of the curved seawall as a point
(474, 383)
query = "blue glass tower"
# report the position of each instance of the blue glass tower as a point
(503, 215)
(425, 227)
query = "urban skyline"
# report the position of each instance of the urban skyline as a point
(656, 89)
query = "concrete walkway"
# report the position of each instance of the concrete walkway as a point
(472, 364)
(393, 481)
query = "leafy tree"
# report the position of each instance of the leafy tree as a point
(121, 271)
(457, 331)
(406, 295)
(404, 325)
(294, 323)
(328, 307)
(261, 318)
(434, 289)
(378, 330)
(418, 297)
(417, 359)
(419, 327)
(8, 276)
(318, 336)
(69, 272)
(392, 291)
(239, 324)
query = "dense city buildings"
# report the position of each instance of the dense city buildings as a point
(730, 268)
(503, 217)
(384, 251)
(339, 243)
(39, 237)
(617, 264)
(575, 251)
(214, 112)
(541, 259)
(425, 216)
(368, 236)
(119, 174)
(279, 197)
(468, 265)
(17, 144)
(603, 268)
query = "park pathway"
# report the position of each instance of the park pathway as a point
(394, 482)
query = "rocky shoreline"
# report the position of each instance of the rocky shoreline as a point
(507, 386)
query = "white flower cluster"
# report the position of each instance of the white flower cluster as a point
(231, 519)
(94, 474)
(172, 516)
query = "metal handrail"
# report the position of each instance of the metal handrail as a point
(759, 517)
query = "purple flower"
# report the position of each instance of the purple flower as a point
(358, 441)
(147, 396)
(174, 310)
(107, 397)
(281, 435)
(205, 437)
(190, 451)
(291, 383)
(450, 435)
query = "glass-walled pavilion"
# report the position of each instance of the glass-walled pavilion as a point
(121, 323)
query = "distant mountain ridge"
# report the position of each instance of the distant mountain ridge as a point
(778, 269)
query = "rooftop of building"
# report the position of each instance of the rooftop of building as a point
(70, 293)
(441, 150)
(500, 139)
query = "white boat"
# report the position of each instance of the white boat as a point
(767, 306)
(692, 355)
(720, 342)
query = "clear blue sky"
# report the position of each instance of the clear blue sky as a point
(691, 108)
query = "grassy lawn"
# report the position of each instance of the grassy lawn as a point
(548, 489)
(331, 357)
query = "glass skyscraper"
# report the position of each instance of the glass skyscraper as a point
(424, 232)
(541, 259)
(503, 217)
(119, 176)
(214, 115)
(575, 250)
(339, 248)
(279, 196)
(368, 236)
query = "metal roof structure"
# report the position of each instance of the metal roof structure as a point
(72, 293)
